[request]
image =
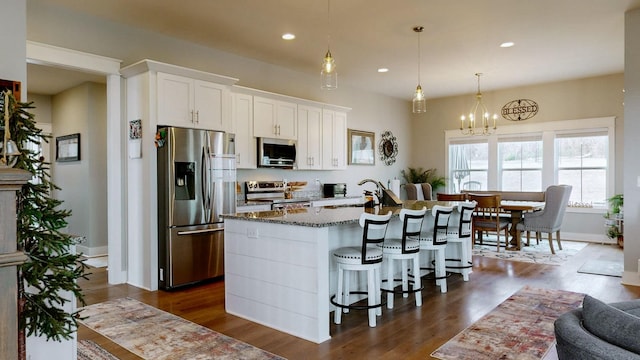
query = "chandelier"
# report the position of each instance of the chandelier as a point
(419, 101)
(478, 122)
(328, 74)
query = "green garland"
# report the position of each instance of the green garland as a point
(50, 269)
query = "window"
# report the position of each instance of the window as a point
(520, 164)
(469, 165)
(582, 163)
(532, 156)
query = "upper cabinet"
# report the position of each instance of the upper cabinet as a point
(193, 103)
(242, 117)
(309, 149)
(334, 140)
(274, 118)
(169, 95)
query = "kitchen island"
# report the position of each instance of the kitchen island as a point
(279, 271)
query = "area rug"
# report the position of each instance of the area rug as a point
(88, 350)
(535, 253)
(154, 334)
(97, 262)
(603, 267)
(519, 328)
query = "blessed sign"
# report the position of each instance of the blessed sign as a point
(518, 110)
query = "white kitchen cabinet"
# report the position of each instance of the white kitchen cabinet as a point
(274, 118)
(309, 146)
(334, 140)
(192, 103)
(242, 117)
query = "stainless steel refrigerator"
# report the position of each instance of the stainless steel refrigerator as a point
(196, 185)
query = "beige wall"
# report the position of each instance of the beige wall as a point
(567, 100)
(83, 183)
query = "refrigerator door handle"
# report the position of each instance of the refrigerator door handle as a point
(202, 231)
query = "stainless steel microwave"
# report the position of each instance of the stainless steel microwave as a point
(276, 153)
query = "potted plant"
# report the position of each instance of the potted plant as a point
(418, 175)
(614, 218)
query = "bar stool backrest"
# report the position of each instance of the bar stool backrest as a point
(374, 231)
(441, 215)
(411, 226)
(465, 210)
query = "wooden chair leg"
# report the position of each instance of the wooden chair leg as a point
(551, 242)
(558, 239)
(528, 238)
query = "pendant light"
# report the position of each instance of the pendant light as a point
(329, 74)
(478, 121)
(419, 101)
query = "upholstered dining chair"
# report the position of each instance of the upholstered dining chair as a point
(549, 219)
(365, 257)
(486, 218)
(420, 191)
(405, 248)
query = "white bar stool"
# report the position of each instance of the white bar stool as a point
(404, 249)
(364, 258)
(459, 236)
(435, 244)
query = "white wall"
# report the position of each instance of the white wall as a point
(13, 40)
(82, 109)
(631, 135)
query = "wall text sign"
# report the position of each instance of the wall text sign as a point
(518, 110)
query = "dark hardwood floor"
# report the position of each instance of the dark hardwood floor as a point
(405, 332)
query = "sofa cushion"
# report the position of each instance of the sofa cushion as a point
(611, 324)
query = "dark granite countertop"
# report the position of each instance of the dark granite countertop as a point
(327, 215)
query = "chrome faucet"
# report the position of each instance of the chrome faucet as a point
(379, 188)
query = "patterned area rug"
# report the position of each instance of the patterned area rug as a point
(535, 253)
(519, 328)
(154, 334)
(88, 350)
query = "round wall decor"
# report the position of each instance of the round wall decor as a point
(388, 148)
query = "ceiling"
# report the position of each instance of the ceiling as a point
(554, 39)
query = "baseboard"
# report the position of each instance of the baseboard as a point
(595, 238)
(630, 278)
(91, 251)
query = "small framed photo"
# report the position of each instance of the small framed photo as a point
(361, 147)
(68, 148)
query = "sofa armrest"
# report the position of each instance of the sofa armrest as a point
(574, 342)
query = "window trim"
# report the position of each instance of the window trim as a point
(549, 131)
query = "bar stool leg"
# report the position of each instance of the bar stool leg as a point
(390, 284)
(378, 276)
(371, 282)
(337, 315)
(440, 270)
(417, 283)
(405, 279)
(346, 291)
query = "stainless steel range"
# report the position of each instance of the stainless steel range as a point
(273, 192)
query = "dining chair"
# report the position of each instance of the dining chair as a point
(405, 248)
(486, 218)
(549, 219)
(459, 239)
(451, 197)
(434, 242)
(472, 185)
(362, 258)
(421, 191)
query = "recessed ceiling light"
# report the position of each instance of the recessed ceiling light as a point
(507, 44)
(383, 70)
(288, 36)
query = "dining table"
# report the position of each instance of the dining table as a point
(516, 209)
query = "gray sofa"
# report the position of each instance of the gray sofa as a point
(599, 331)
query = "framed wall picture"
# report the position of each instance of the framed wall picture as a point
(68, 148)
(361, 147)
